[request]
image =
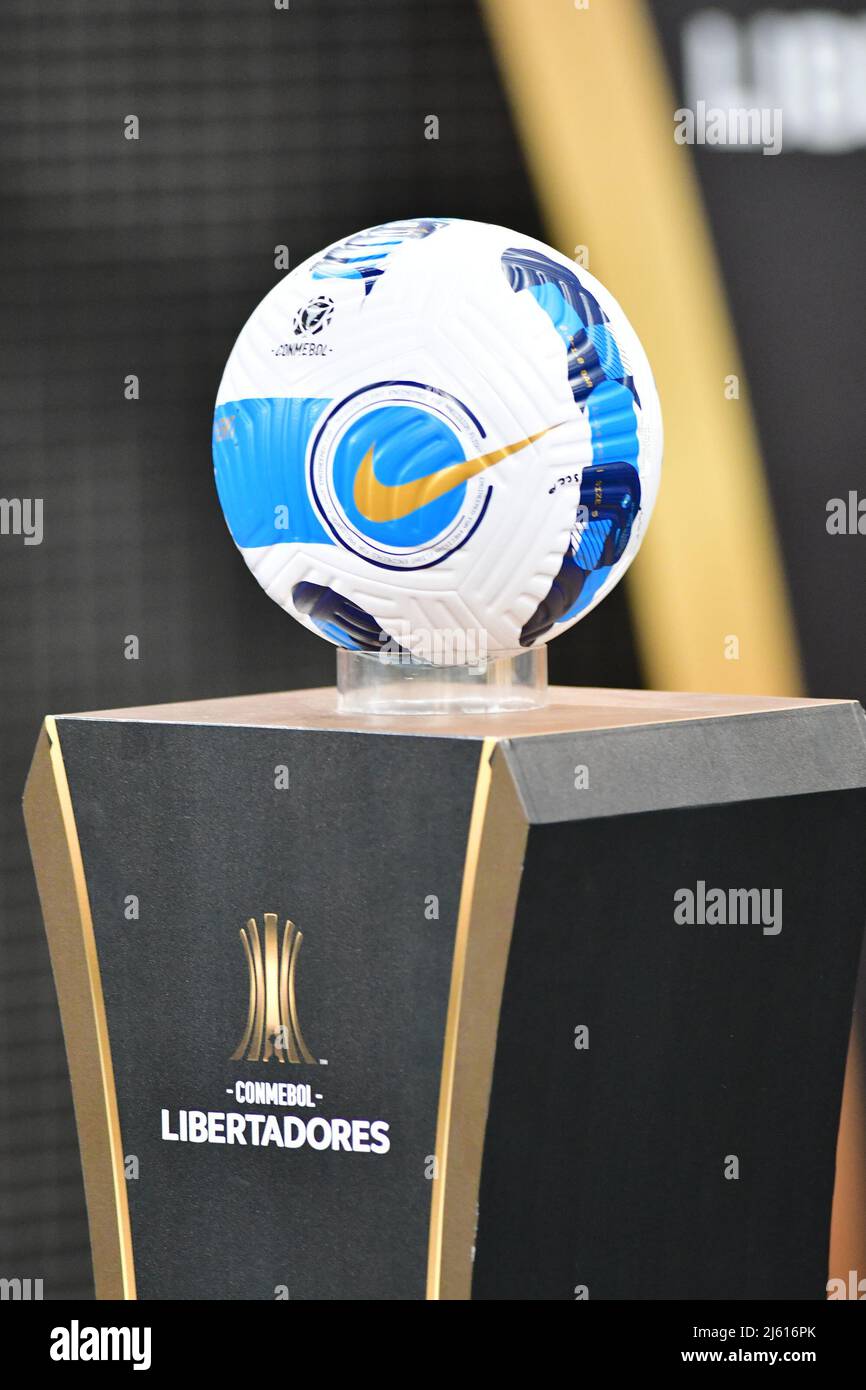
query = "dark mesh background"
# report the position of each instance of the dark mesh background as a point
(258, 128)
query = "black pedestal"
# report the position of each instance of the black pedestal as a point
(540, 1006)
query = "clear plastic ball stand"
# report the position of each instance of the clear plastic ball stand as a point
(380, 683)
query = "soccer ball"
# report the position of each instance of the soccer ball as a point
(439, 438)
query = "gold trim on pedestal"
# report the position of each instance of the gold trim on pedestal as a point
(491, 880)
(63, 895)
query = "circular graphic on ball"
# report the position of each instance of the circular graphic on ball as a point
(396, 473)
(438, 425)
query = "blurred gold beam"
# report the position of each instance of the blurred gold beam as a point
(595, 113)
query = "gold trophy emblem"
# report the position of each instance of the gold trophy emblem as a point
(272, 1027)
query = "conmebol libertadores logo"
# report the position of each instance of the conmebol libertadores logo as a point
(272, 1028)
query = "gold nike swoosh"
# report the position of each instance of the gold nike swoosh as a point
(379, 502)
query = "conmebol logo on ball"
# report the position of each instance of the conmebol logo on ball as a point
(438, 426)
